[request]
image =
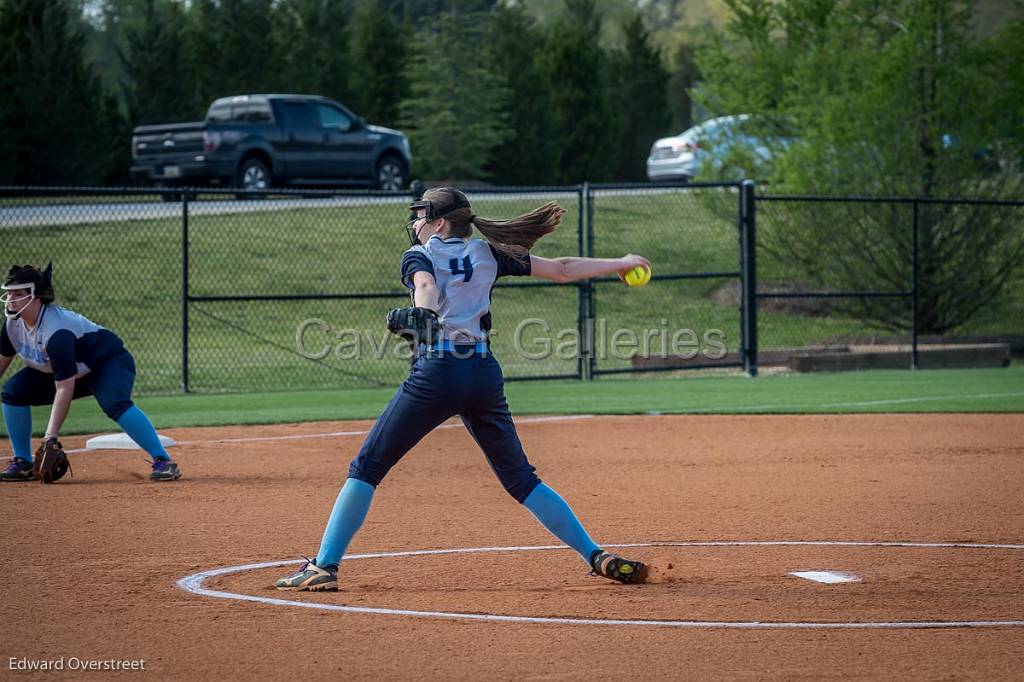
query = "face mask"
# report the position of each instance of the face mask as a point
(414, 234)
(9, 296)
(414, 208)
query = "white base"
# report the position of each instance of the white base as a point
(827, 577)
(120, 441)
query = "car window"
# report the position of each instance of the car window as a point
(300, 115)
(331, 117)
(709, 127)
(703, 131)
(219, 112)
(255, 112)
(724, 129)
(729, 131)
(240, 112)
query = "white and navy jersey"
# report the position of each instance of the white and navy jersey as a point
(465, 272)
(62, 343)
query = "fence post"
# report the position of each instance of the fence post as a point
(913, 291)
(748, 244)
(184, 292)
(581, 288)
(587, 286)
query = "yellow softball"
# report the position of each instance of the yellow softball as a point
(637, 276)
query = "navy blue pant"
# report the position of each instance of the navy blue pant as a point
(439, 386)
(112, 383)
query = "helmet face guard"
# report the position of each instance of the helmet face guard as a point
(9, 296)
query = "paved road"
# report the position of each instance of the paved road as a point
(44, 215)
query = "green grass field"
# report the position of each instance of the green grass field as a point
(988, 390)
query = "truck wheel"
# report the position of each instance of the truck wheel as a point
(390, 174)
(253, 174)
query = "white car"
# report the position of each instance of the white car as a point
(703, 150)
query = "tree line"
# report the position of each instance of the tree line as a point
(484, 90)
(854, 97)
(885, 98)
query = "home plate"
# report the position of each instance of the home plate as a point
(120, 441)
(829, 577)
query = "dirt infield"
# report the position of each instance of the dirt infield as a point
(92, 564)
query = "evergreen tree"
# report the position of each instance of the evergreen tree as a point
(378, 58)
(58, 124)
(684, 77)
(312, 43)
(231, 49)
(417, 12)
(1007, 57)
(154, 76)
(530, 155)
(578, 71)
(640, 84)
(203, 37)
(454, 112)
(247, 56)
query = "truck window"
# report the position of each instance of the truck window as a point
(258, 112)
(240, 112)
(333, 118)
(300, 115)
(219, 112)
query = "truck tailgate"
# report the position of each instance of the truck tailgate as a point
(168, 141)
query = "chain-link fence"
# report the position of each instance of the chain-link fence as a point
(864, 282)
(285, 290)
(289, 289)
(117, 258)
(691, 317)
(294, 295)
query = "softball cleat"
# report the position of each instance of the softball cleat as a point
(165, 470)
(310, 577)
(18, 469)
(614, 567)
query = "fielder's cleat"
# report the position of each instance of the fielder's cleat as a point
(165, 470)
(310, 577)
(614, 567)
(17, 470)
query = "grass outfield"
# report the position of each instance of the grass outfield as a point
(983, 390)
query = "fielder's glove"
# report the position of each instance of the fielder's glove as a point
(51, 462)
(418, 325)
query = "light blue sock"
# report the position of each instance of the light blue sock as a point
(347, 516)
(557, 516)
(136, 424)
(18, 421)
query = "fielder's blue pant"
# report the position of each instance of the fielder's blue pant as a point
(440, 385)
(112, 383)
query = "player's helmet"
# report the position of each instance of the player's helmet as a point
(441, 201)
(20, 278)
(438, 203)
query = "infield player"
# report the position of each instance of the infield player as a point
(451, 277)
(66, 356)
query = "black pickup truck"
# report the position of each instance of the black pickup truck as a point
(259, 141)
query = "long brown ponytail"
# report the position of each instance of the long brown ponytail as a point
(515, 236)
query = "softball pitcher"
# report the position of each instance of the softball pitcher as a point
(66, 356)
(451, 277)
